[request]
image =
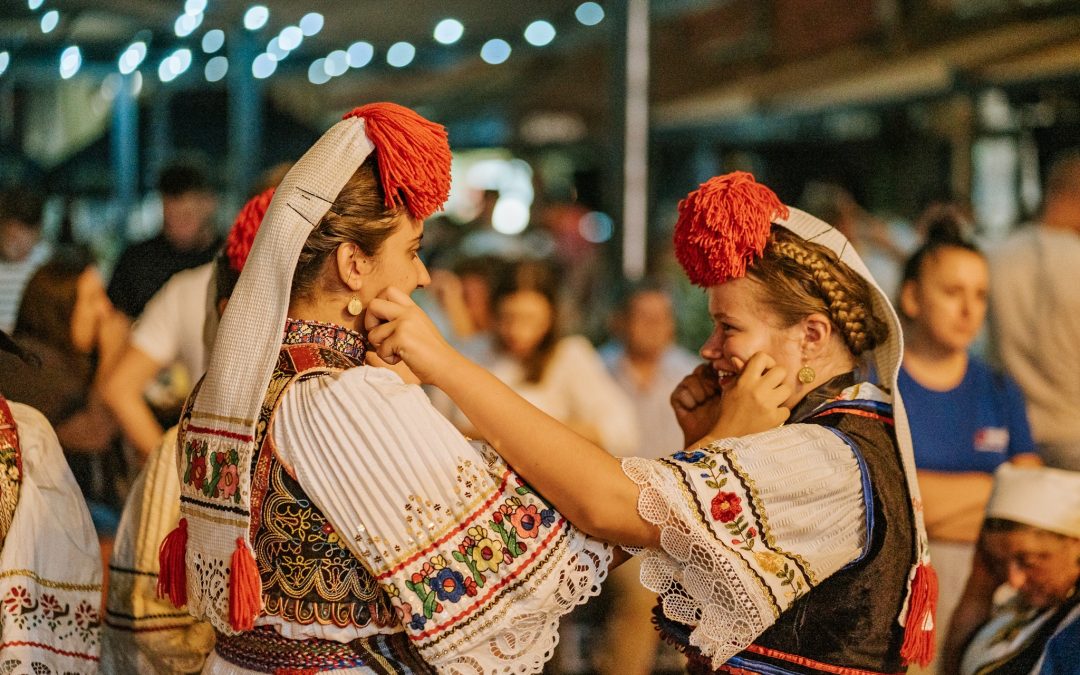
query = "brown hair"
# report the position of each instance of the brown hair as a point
(49, 299)
(359, 215)
(796, 278)
(539, 278)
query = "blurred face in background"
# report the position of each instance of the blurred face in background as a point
(17, 239)
(476, 293)
(91, 307)
(947, 302)
(650, 325)
(186, 218)
(523, 319)
(1042, 566)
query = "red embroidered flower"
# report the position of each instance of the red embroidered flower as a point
(527, 521)
(17, 599)
(198, 472)
(751, 532)
(470, 586)
(51, 607)
(86, 617)
(498, 517)
(726, 506)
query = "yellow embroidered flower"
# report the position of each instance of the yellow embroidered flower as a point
(391, 590)
(487, 555)
(477, 532)
(770, 562)
(438, 562)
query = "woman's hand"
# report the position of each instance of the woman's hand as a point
(696, 402)
(400, 331)
(756, 401)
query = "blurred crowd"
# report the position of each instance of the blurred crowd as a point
(111, 363)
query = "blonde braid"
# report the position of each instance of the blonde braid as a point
(848, 315)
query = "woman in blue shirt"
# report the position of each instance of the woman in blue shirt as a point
(966, 419)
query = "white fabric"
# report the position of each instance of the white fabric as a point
(659, 430)
(576, 387)
(13, 279)
(1035, 325)
(50, 566)
(170, 328)
(1039, 496)
(731, 580)
(345, 436)
(234, 388)
(142, 633)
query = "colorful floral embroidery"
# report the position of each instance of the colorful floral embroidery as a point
(26, 611)
(482, 550)
(725, 506)
(215, 474)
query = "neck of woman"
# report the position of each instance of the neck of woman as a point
(326, 309)
(933, 365)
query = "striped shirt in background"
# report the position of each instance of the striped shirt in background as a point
(13, 279)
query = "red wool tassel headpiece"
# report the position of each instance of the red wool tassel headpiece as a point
(414, 157)
(242, 235)
(723, 226)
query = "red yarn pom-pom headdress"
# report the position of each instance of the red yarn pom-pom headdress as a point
(242, 234)
(723, 226)
(414, 156)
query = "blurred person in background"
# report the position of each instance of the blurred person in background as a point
(463, 295)
(187, 238)
(563, 376)
(66, 320)
(1035, 314)
(50, 569)
(648, 365)
(1021, 609)
(966, 419)
(22, 250)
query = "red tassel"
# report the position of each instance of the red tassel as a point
(245, 588)
(242, 235)
(414, 157)
(172, 572)
(724, 225)
(920, 628)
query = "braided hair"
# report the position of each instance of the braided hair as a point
(798, 277)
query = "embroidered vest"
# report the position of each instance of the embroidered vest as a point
(308, 575)
(848, 624)
(10, 468)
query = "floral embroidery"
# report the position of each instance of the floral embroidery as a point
(482, 551)
(28, 612)
(688, 456)
(215, 474)
(726, 506)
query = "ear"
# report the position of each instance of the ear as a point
(816, 332)
(909, 301)
(352, 265)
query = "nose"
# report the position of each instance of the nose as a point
(713, 347)
(424, 278)
(1016, 576)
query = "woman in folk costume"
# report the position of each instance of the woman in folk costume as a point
(50, 562)
(143, 633)
(797, 549)
(331, 519)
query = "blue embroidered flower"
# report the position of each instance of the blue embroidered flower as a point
(448, 585)
(689, 457)
(418, 621)
(547, 517)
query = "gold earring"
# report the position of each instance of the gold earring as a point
(355, 306)
(806, 374)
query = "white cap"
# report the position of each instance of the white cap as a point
(1038, 496)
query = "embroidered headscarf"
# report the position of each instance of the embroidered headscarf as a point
(207, 561)
(724, 226)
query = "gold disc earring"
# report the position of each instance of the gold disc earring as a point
(806, 374)
(355, 306)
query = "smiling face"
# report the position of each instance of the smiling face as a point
(1042, 566)
(743, 326)
(397, 263)
(947, 302)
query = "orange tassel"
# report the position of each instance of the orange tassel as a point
(172, 573)
(920, 628)
(245, 588)
(414, 157)
(723, 226)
